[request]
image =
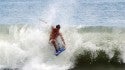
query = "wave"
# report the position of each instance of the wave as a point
(26, 47)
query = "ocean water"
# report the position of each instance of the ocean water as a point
(27, 47)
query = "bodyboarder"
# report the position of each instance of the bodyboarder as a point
(53, 37)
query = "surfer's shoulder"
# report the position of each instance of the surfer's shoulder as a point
(52, 27)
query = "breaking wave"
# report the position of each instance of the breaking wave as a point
(26, 47)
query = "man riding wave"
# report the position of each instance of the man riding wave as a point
(53, 37)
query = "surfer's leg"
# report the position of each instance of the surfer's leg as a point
(54, 44)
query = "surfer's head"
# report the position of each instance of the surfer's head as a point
(58, 26)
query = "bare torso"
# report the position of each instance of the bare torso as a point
(54, 34)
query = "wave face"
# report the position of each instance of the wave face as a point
(26, 47)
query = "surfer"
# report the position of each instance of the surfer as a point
(53, 36)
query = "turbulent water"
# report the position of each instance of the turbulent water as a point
(26, 47)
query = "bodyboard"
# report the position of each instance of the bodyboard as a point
(60, 46)
(59, 51)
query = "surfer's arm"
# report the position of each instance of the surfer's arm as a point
(52, 27)
(62, 39)
(50, 37)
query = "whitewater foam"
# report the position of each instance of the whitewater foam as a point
(28, 47)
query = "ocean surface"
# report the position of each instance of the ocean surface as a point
(27, 47)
